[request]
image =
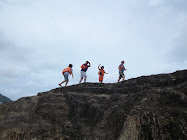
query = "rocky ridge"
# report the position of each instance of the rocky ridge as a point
(143, 108)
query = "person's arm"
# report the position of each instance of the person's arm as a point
(72, 75)
(105, 72)
(89, 64)
(99, 66)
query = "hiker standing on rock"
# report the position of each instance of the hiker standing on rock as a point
(121, 71)
(84, 68)
(101, 73)
(66, 73)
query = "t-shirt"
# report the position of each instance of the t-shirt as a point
(122, 69)
(67, 73)
(101, 72)
(84, 67)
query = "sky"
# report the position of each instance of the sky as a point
(39, 38)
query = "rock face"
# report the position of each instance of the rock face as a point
(145, 108)
(4, 99)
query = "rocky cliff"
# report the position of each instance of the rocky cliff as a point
(144, 108)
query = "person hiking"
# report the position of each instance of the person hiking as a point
(101, 73)
(66, 73)
(121, 71)
(84, 68)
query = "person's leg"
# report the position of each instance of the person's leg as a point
(100, 79)
(119, 77)
(80, 80)
(82, 75)
(66, 83)
(85, 76)
(66, 79)
(85, 79)
(62, 82)
(119, 80)
(123, 77)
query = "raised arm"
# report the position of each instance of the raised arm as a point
(89, 64)
(99, 66)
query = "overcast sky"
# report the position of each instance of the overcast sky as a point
(39, 38)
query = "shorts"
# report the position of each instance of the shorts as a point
(101, 78)
(66, 74)
(121, 75)
(83, 74)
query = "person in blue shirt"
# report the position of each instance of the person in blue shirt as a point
(84, 68)
(121, 71)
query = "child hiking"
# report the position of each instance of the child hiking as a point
(66, 73)
(84, 68)
(101, 73)
(121, 71)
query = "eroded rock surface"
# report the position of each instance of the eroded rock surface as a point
(145, 108)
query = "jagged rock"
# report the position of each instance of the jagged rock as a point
(144, 108)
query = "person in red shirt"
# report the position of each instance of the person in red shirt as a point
(84, 68)
(101, 73)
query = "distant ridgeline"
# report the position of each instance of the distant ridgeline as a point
(4, 99)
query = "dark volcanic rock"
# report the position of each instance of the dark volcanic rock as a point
(144, 108)
(4, 99)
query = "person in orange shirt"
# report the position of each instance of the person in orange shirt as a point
(101, 73)
(66, 73)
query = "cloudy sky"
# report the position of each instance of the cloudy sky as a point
(39, 38)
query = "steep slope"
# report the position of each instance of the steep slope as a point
(4, 99)
(144, 108)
